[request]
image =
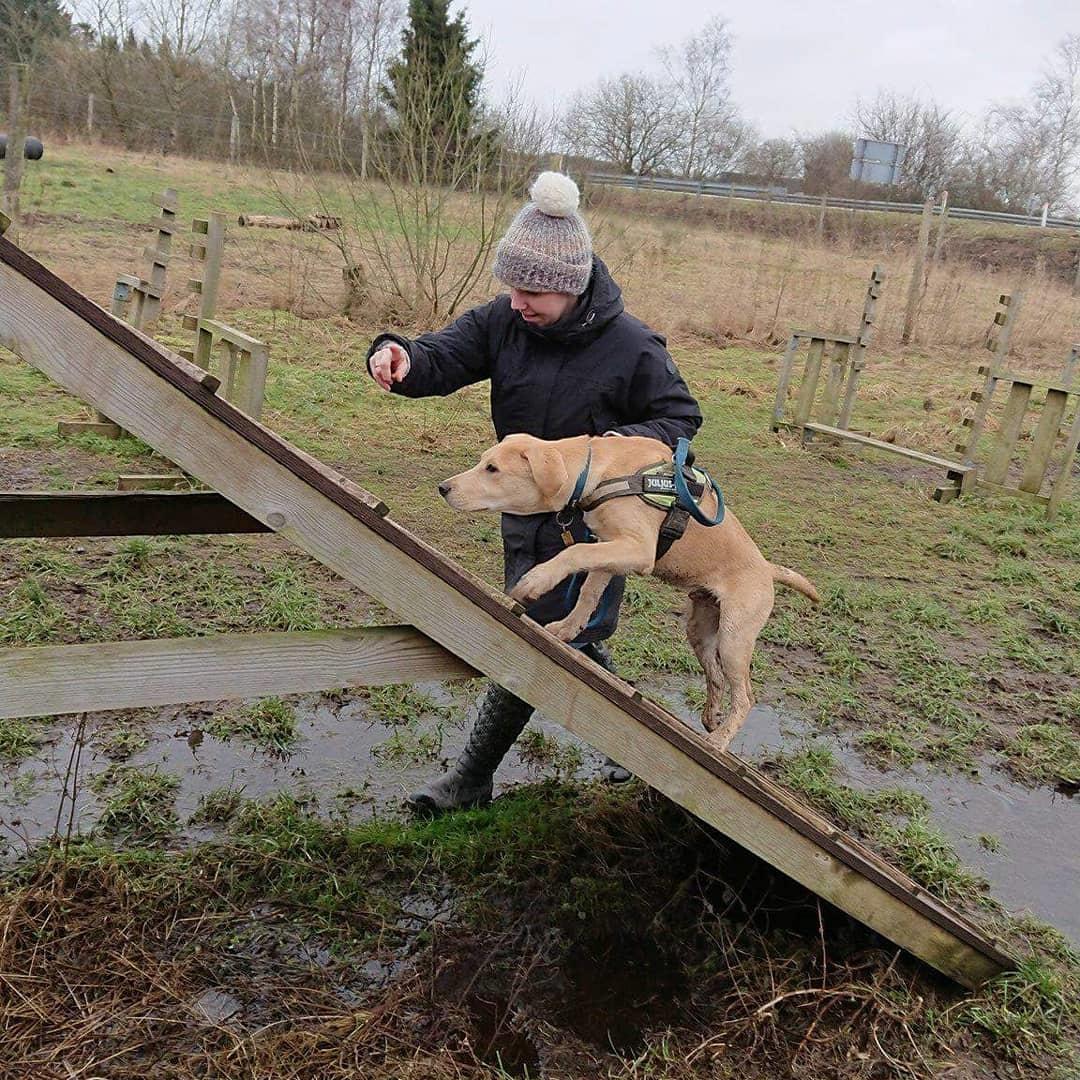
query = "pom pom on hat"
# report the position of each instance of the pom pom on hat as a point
(547, 247)
(555, 194)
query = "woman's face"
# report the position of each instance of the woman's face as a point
(541, 308)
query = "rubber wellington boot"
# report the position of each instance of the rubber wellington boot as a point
(501, 718)
(611, 770)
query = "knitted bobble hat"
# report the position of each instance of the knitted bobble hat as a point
(547, 247)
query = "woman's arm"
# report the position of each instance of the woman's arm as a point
(661, 405)
(440, 363)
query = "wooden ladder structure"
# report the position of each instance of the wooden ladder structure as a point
(1048, 461)
(458, 625)
(244, 358)
(825, 409)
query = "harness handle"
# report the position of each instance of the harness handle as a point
(686, 500)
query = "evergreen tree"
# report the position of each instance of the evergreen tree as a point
(434, 87)
(26, 25)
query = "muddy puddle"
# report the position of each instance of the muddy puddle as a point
(350, 762)
(1035, 866)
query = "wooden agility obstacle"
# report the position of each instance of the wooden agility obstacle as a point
(823, 408)
(244, 358)
(1042, 473)
(172, 405)
(138, 301)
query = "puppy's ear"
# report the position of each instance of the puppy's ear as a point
(547, 467)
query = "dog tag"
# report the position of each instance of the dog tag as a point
(568, 538)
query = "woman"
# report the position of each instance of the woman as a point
(564, 358)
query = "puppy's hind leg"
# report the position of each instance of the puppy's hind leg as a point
(738, 631)
(702, 625)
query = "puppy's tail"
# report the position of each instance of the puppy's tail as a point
(794, 581)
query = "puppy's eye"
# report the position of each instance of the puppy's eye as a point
(491, 468)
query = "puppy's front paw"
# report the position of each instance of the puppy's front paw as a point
(533, 584)
(565, 629)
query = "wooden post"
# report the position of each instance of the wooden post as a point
(862, 340)
(784, 381)
(234, 138)
(804, 403)
(215, 251)
(1064, 477)
(90, 115)
(209, 249)
(1004, 319)
(821, 219)
(915, 288)
(1068, 372)
(150, 290)
(13, 158)
(939, 238)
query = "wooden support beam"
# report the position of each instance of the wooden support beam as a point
(54, 679)
(889, 448)
(63, 334)
(25, 514)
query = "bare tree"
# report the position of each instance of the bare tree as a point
(442, 180)
(182, 30)
(697, 73)
(932, 139)
(1031, 151)
(773, 160)
(630, 121)
(1057, 107)
(826, 162)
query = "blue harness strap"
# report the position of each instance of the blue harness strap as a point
(685, 499)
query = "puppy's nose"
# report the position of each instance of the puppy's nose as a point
(444, 489)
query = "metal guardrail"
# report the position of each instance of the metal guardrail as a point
(712, 189)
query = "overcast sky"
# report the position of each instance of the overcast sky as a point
(796, 66)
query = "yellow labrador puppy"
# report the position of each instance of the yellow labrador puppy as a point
(729, 581)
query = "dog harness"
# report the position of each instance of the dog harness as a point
(673, 486)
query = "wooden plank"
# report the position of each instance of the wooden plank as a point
(229, 333)
(889, 448)
(105, 428)
(1001, 489)
(1012, 424)
(784, 382)
(57, 330)
(862, 342)
(120, 513)
(810, 335)
(1042, 445)
(151, 482)
(1065, 468)
(49, 680)
(838, 369)
(213, 254)
(804, 403)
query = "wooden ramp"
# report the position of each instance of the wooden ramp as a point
(171, 405)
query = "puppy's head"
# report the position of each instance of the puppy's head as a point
(520, 475)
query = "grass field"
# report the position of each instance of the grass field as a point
(569, 930)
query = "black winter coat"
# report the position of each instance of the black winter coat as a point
(596, 370)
